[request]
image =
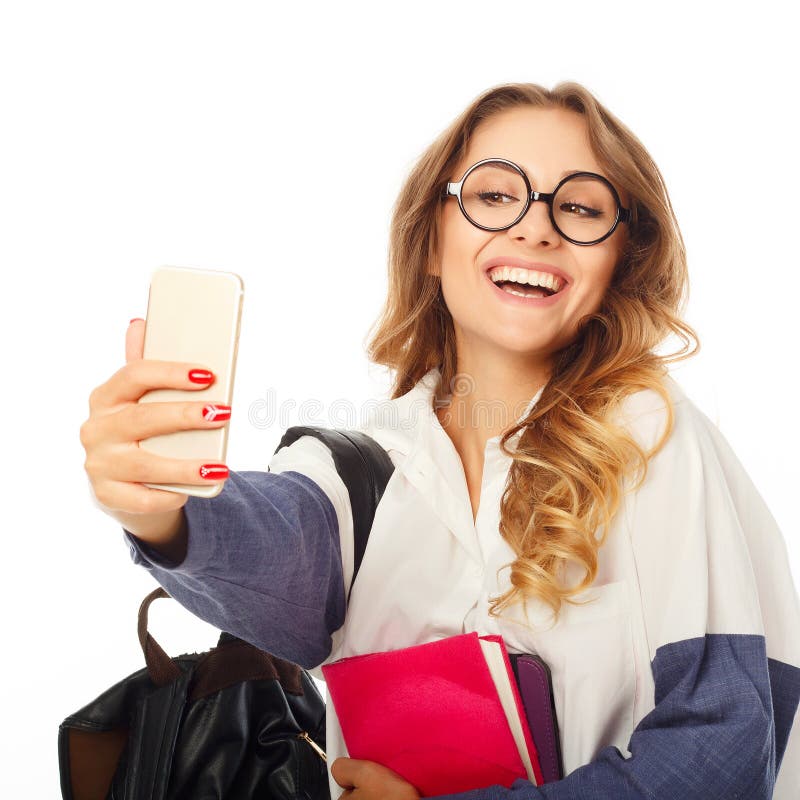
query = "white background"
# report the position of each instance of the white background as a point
(272, 141)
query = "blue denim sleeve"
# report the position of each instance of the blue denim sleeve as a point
(710, 735)
(263, 563)
(724, 696)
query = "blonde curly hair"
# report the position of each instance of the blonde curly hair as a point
(565, 479)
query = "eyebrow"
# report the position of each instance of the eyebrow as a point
(572, 171)
(564, 173)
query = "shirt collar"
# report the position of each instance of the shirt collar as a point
(431, 462)
(405, 418)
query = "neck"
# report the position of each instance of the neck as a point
(487, 397)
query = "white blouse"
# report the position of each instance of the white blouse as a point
(693, 578)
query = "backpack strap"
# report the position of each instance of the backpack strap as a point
(364, 467)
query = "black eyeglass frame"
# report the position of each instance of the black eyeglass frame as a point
(454, 189)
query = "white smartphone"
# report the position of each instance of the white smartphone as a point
(193, 315)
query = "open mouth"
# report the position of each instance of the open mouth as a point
(526, 283)
(525, 289)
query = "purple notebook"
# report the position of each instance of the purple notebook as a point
(536, 690)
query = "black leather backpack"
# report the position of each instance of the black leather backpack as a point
(233, 722)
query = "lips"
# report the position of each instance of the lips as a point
(509, 261)
(526, 302)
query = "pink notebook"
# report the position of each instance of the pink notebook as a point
(446, 716)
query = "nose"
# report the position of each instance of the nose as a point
(536, 225)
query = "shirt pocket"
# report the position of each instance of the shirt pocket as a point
(590, 653)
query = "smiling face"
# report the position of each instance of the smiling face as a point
(488, 322)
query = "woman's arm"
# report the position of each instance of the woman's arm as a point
(722, 620)
(164, 533)
(263, 558)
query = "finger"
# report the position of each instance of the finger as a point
(342, 770)
(134, 464)
(135, 498)
(134, 340)
(137, 421)
(142, 375)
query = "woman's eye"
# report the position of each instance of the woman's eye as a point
(575, 209)
(495, 197)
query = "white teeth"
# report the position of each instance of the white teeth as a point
(531, 277)
(511, 291)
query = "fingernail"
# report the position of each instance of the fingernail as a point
(214, 472)
(216, 413)
(136, 319)
(200, 376)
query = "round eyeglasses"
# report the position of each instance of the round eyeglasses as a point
(495, 194)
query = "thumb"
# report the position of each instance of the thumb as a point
(134, 340)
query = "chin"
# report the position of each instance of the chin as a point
(533, 348)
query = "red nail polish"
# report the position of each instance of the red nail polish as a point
(216, 413)
(214, 472)
(200, 376)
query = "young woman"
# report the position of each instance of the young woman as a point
(553, 483)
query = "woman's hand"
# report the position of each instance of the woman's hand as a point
(366, 780)
(116, 465)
